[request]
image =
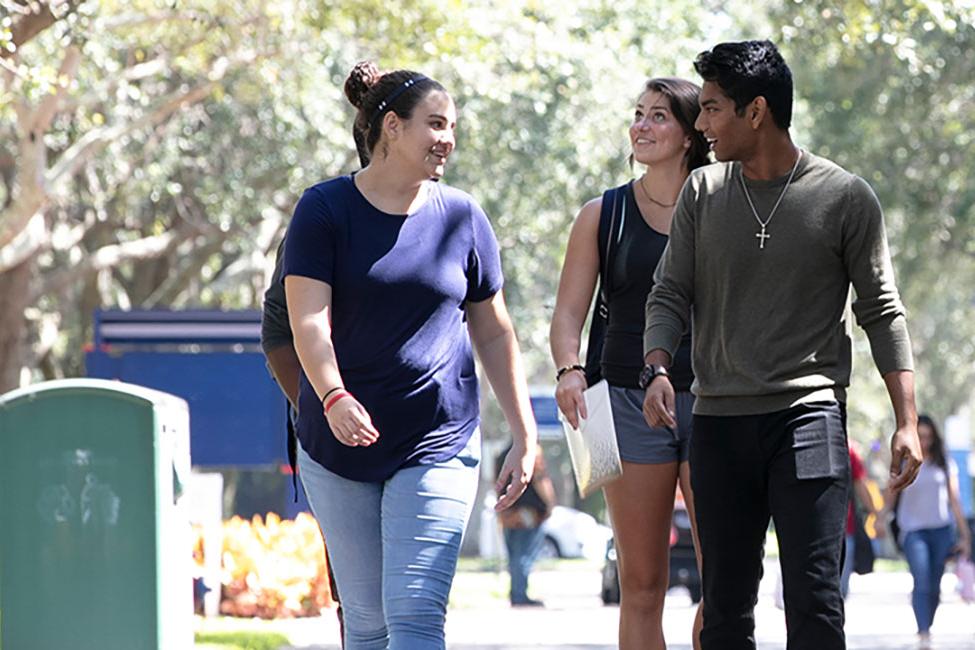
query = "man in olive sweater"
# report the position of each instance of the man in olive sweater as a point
(763, 250)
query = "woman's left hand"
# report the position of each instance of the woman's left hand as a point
(515, 475)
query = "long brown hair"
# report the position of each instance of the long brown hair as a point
(937, 447)
(683, 97)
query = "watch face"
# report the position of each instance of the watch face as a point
(646, 375)
(649, 373)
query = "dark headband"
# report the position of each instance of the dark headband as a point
(383, 105)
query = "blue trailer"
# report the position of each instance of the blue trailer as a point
(213, 360)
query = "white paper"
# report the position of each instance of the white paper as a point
(592, 447)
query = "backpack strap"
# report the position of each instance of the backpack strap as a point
(292, 449)
(612, 218)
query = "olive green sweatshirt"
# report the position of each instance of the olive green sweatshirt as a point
(771, 325)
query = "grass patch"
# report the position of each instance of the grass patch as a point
(481, 565)
(242, 640)
(500, 565)
(885, 565)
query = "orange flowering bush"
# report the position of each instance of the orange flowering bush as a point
(273, 568)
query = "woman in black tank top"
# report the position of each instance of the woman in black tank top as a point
(641, 501)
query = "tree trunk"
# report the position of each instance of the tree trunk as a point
(14, 295)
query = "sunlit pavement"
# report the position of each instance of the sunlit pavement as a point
(879, 615)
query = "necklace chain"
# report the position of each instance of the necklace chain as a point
(762, 236)
(651, 199)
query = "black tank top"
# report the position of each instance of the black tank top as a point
(637, 253)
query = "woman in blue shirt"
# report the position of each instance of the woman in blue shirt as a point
(390, 276)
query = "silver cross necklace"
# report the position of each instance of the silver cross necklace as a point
(762, 236)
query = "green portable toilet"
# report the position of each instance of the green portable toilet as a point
(95, 551)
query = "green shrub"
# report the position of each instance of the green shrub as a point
(243, 640)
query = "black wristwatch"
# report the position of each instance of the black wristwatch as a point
(650, 372)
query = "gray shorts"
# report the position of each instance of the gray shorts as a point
(641, 443)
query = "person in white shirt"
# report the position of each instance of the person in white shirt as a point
(924, 512)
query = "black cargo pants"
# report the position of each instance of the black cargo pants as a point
(792, 466)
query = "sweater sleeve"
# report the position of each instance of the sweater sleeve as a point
(877, 306)
(668, 309)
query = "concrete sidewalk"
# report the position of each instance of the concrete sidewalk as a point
(879, 615)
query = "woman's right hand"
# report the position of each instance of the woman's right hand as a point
(569, 396)
(350, 423)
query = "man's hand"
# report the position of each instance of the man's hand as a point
(905, 448)
(905, 457)
(515, 475)
(658, 403)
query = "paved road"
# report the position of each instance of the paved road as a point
(878, 615)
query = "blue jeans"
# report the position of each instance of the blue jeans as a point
(849, 552)
(927, 551)
(523, 545)
(394, 546)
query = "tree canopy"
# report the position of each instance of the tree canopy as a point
(886, 91)
(151, 151)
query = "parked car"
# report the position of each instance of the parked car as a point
(571, 533)
(683, 564)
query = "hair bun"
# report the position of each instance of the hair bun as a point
(364, 76)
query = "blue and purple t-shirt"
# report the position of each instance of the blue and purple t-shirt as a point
(399, 286)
